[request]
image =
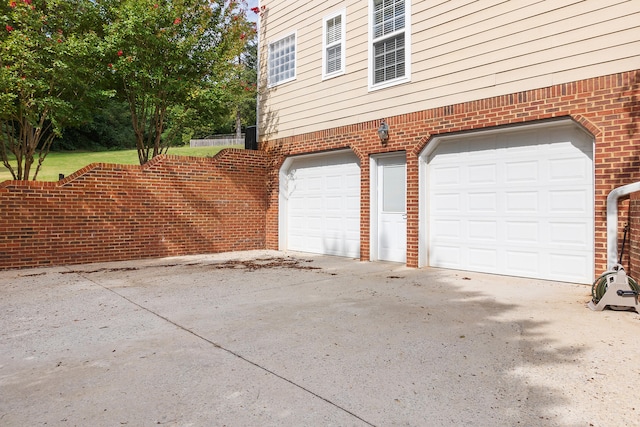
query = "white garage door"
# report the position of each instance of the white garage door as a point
(322, 204)
(518, 203)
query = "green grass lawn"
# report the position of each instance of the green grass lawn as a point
(67, 163)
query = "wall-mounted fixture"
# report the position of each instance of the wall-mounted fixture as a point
(383, 132)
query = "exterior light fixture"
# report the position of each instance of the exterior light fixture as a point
(383, 132)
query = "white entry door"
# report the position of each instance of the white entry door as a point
(392, 210)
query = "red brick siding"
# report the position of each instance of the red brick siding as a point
(607, 106)
(171, 206)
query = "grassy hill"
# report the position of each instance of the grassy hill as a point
(68, 162)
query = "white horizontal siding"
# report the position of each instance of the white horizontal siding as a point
(462, 50)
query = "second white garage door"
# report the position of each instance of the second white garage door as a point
(517, 203)
(320, 204)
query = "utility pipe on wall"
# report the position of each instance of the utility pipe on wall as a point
(612, 220)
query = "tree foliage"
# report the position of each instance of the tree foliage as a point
(243, 91)
(48, 77)
(177, 65)
(170, 60)
(240, 97)
(109, 128)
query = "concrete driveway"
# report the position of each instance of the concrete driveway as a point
(268, 338)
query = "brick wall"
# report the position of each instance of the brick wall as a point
(608, 107)
(171, 206)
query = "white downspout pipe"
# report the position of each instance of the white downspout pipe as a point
(612, 220)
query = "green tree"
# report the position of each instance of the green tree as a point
(240, 95)
(47, 76)
(170, 59)
(243, 93)
(109, 128)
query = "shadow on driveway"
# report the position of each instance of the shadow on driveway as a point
(268, 338)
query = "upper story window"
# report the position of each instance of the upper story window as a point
(282, 60)
(333, 53)
(390, 42)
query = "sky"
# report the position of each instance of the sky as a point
(252, 16)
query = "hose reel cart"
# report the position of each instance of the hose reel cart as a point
(614, 289)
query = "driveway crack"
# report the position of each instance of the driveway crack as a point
(227, 350)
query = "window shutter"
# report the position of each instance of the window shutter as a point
(334, 30)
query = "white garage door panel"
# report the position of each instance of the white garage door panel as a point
(482, 230)
(522, 232)
(517, 203)
(523, 263)
(568, 234)
(323, 205)
(483, 258)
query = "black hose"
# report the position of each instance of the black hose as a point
(624, 240)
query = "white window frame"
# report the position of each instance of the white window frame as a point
(270, 59)
(407, 47)
(343, 25)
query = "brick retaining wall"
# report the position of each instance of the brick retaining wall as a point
(171, 206)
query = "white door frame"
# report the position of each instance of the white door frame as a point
(373, 197)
